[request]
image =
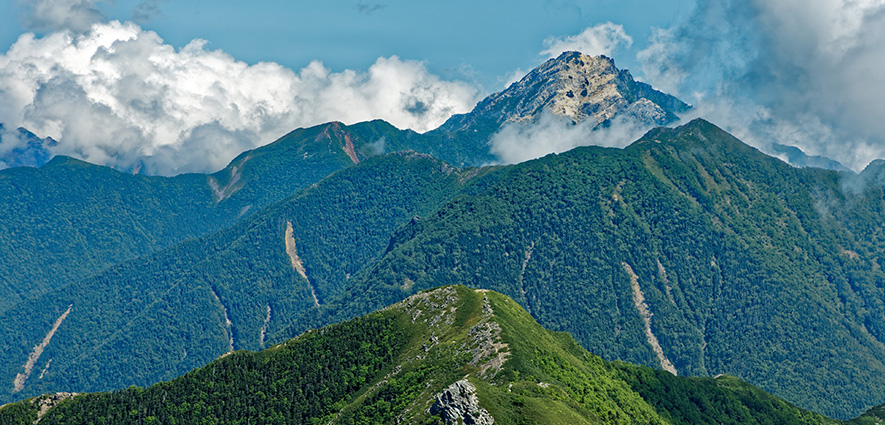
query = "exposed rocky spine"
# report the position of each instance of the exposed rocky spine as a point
(264, 328)
(525, 263)
(49, 401)
(222, 193)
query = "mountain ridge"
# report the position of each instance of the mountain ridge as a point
(715, 230)
(447, 355)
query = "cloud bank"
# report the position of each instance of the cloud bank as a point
(518, 142)
(118, 95)
(800, 72)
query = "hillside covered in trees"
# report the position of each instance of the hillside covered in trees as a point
(449, 355)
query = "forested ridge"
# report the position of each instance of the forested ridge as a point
(390, 366)
(157, 317)
(745, 266)
(750, 267)
(70, 219)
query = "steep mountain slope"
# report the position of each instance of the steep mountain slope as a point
(572, 85)
(689, 251)
(70, 219)
(159, 316)
(450, 355)
(579, 87)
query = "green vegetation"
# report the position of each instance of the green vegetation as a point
(750, 267)
(69, 219)
(688, 249)
(388, 367)
(157, 317)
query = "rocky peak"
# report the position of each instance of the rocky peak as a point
(574, 85)
(579, 87)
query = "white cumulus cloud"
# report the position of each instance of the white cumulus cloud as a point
(118, 95)
(602, 39)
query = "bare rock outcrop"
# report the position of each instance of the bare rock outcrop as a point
(458, 403)
(48, 401)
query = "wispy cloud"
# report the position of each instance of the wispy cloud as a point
(798, 72)
(55, 15)
(369, 8)
(147, 10)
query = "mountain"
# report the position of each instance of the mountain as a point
(574, 86)
(450, 355)
(29, 150)
(796, 157)
(688, 251)
(156, 317)
(70, 219)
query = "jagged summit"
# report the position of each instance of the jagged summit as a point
(577, 86)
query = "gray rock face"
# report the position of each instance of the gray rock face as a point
(459, 402)
(579, 87)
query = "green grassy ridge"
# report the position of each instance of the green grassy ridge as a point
(155, 318)
(751, 267)
(379, 369)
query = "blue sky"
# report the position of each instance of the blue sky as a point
(482, 40)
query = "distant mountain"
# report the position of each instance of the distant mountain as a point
(447, 356)
(29, 150)
(70, 219)
(796, 157)
(97, 217)
(575, 86)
